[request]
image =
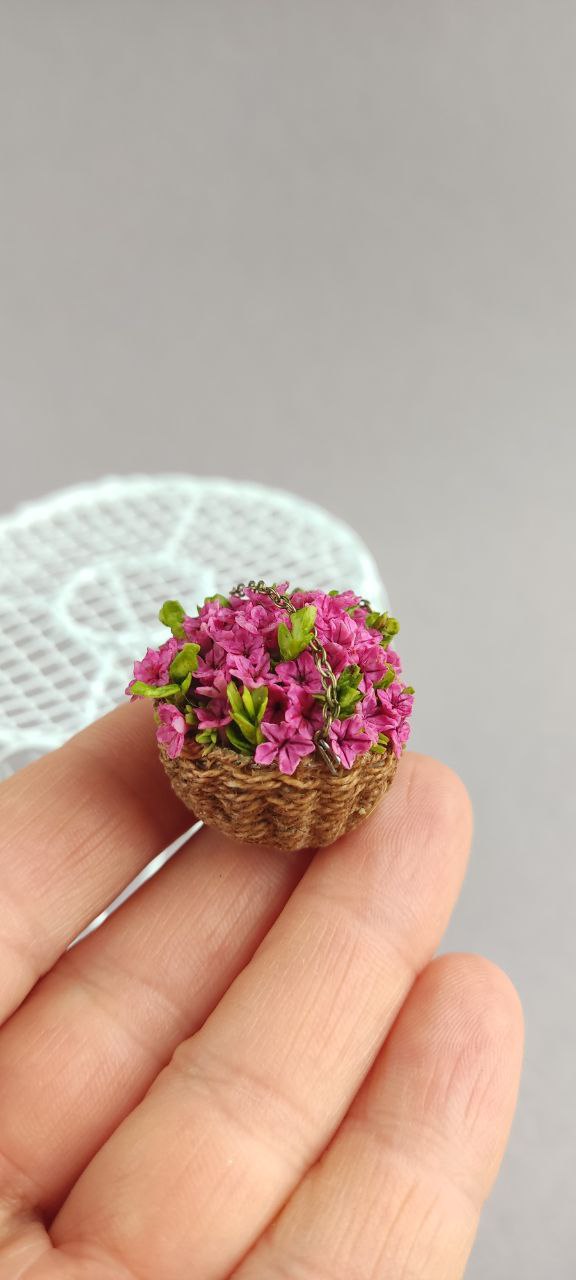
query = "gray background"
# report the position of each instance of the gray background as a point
(331, 246)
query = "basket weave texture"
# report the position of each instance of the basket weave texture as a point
(260, 805)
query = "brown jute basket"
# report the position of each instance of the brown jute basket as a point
(260, 805)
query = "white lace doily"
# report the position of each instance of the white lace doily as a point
(83, 573)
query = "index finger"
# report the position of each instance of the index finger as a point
(75, 828)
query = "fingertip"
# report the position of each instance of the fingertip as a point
(435, 791)
(463, 1031)
(474, 989)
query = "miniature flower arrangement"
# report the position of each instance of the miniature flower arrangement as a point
(281, 716)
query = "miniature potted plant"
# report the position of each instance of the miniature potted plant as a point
(281, 716)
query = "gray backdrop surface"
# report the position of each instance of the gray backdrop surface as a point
(331, 246)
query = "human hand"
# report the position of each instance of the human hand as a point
(253, 1069)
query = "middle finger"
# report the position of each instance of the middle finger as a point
(95, 1032)
(252, 1099)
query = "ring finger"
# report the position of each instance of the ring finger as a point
(399, 1190)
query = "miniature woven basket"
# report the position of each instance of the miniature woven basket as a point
(260, 805)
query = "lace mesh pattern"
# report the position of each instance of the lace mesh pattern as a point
(83, 572)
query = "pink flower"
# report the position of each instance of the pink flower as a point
(277, 703)
(148, 667)
(216, 688)
(284, 744)
(372, 659)
(396, 700)
(338, 635)
(252, 668)
(154, 667)
(157, 661)
(258, 619)
(393, 659)
(340, 629)
(213, 660)
(363, 635)
(376, 718)
(398, 737)
(335, 606)
(346, 599)
(213, 714)
(196, 629)
(235, 639)
(238, 641)
(338, 657)
(350, 739)
(302, 671)
(304, 711)
(193, 628)
(300, 598)
(171, 730)
(395, 708)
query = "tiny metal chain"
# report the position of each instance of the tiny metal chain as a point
(327, 677)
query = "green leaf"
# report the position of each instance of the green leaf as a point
(349, 678)
(219, 598)
(185, 662)
(383, 623)
(142, 690)
(237, 741)
(208, 738)
(381, 746)
(248, 701)
(171, 614)
(293, 640)
(234, 699)
(285, 643)
(303, 621)
(190, 716)
(347, 690)
(386, 679)
(184, 687)
(248, 729)
(260, 700)
(347, 703)
(408, 689)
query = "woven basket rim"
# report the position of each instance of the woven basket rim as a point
(226, 755)
(259, 804)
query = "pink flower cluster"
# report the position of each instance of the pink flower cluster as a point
(244, 693)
